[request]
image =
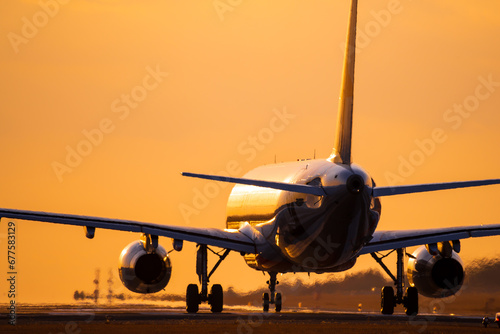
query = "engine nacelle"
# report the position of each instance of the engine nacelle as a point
(144, 272)
(435, 276)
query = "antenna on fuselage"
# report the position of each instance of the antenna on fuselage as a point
(342, 148)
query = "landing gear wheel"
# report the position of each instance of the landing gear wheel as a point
(265, 302)
(192, 298)
(411, 304)
(277, 302)
(387, 300)
(216, 298)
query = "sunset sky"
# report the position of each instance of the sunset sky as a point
(146, 90)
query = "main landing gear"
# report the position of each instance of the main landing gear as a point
(193, 297)
(275, 297)
(388, 299)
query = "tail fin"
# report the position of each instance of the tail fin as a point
(342, 149)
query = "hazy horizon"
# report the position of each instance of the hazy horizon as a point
(105, 102)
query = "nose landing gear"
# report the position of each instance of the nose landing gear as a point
(275, 297)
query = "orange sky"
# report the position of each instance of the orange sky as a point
(220, 78)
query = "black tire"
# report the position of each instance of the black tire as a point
(216, 298)
(192, 298)
(411, 305)
(387, 300)
(277, 302)
(265, 302)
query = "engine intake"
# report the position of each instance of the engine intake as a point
(434, 275)
(144, 272)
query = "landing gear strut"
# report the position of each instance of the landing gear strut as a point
(275, 297)
(193, 297)
(389, 300)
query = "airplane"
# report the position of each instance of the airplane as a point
(305, 216)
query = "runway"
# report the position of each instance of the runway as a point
(155, 320)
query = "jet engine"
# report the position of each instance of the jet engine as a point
(143, 268)
(436, 270)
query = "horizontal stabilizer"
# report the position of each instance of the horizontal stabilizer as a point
(420, 188)
(298, 188)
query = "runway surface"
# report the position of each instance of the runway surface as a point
(155, 320)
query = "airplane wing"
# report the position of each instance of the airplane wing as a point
(389, 240)
(228, 239)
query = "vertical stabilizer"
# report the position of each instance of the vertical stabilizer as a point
(342, 149)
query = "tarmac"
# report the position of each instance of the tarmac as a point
(57, 320)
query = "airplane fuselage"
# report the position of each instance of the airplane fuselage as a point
(303, 232)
